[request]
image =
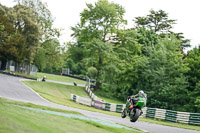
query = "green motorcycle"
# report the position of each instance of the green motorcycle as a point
(134, 107)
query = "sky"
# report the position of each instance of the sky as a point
(186, 12)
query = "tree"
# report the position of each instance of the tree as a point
(74, 56)
(97, 22)
(103, 18)
(147, 38)
(7, 34)
(49, 34)
(162, 76)
(25, 23)
(44, 18)
(100, 56)
(40, 59)
(157, 21)
(21, 34)
(92, 72)
(49, 58)
(193, 60)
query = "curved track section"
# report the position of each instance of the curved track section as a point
(12, 88)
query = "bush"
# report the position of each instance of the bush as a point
(92, 72)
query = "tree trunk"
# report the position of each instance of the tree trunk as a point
(97, 85)
(8, 66)
(17, 67)
(3, 64)
(29, 69)
(97, 81)
(98, 73)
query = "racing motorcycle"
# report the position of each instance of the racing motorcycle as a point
(133, 108)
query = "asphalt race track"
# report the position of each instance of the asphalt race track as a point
(12, 88)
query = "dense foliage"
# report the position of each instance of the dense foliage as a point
(193, 60)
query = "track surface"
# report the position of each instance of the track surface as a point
(12, 88)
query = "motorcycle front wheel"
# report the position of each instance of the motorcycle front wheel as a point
(123, 113)
(134, 115)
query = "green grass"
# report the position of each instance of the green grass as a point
(22, 74)
(101, 94)
(60, 78)
(59, 94)
(3, 100)
(56, 90)
(14, 119)
(25, 75)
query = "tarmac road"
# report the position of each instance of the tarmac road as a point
(12, 88)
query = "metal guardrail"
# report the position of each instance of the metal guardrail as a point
(155, 113)
(172, 116)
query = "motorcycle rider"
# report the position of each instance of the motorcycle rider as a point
(140, 94)
(135, 97)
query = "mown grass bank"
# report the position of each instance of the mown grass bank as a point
(101, 94)
(19, 74)
(11, 102)
(14, 119)
(60, 78)
(60, 94)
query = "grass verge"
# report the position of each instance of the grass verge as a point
(11, 102)
(60, 94)
(102, 95)
(21, 74)
(14, 119)
(60, 78)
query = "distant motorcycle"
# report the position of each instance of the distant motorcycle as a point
(133, 108)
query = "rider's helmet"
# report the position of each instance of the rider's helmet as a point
(142, 94)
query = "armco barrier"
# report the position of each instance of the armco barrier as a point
(150, 112)
(194, 119)
(182, 117)
(113, 107)
(107, 106)
(144, 110)
(170, 115)
(119, 108)
(160, 114)
(99, 105)
(81, 100)
(92, 95)
(85, 101)
(73, 97)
